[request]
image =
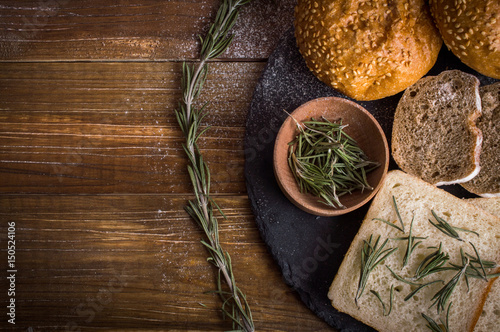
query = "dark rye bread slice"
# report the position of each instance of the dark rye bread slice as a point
(487, 182)
(434, 134)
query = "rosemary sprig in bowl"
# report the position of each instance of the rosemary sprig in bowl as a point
(320, 156)
(327, 162)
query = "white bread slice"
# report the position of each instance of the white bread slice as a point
(490, 317)
(487, 182)
(434, 135)
(416, 198)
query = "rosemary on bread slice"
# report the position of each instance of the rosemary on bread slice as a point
(371, 256)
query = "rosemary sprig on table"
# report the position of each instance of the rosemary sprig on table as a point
(201, 209)
(326, 162)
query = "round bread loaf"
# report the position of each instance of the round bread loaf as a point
(367, 49)
(471, 30)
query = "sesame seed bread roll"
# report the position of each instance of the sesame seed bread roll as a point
(367, 49)
(471, 30)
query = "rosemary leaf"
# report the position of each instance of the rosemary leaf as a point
(411, 245)
(442, 297)
(391, 300)
(434, 326)
(419, 288)
(371, 256)
(432, 263)
(398, 214)
(398, 277)
(447, 229)
(477, 259)
(389, 223)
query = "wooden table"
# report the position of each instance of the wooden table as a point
(93, 174)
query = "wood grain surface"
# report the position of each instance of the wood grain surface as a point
(93, 174)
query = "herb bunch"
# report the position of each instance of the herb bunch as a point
(328, 163)
(201, 208)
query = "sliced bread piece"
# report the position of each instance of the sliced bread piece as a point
(415, 200)
(487, 182)
(491, 205)
(490, 317)
(434, 135)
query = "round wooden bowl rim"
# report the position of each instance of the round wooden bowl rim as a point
(291, 191)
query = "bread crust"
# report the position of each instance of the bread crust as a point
(471, 30)
(484, 298)
(485, 322)
(367, 49)
(487, 182)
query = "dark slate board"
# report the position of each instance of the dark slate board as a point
(307, 248)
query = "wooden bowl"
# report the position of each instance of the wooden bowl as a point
(362, 127)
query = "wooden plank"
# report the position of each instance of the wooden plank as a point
(132, 29)
(135, 261)
(111, 128)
